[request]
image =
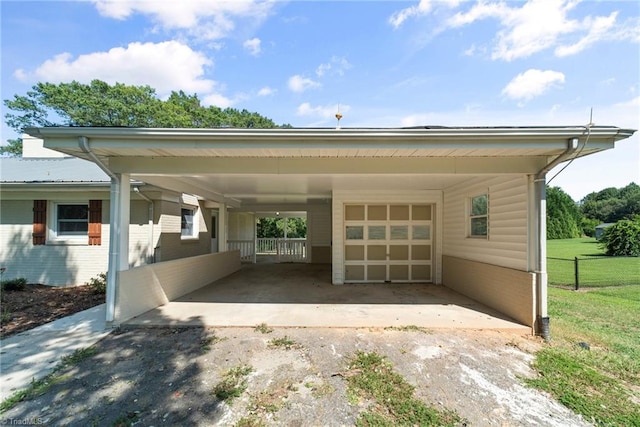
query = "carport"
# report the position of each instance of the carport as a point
(460, 209)
(301, 295)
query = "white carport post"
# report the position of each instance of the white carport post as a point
(539, 252)
(222, 228)
(120, 208)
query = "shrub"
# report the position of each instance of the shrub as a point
(622, 238)
(18, 284)
(98, 283)
(589, 226)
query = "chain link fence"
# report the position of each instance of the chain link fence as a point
(594, 272)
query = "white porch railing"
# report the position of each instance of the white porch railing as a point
(284, 250)
(246, 248)
(291, 250)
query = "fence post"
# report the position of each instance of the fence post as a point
(577, 273)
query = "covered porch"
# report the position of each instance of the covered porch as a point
(301, 295)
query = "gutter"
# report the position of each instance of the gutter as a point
(540, 242)
(150, 254)
(114, 232)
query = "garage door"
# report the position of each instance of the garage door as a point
(387, 243)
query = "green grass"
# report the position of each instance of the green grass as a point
(263, 328)
(233, 384)
(594, 271)
(408, 328)
(284, 342)
(603, 383)
(392, 397)
(39, 387)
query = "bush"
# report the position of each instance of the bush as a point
(98, 283)
(622, 238)
(18, 284)
(589, 226)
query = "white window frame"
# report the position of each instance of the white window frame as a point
(470, 217)
(195, 232)
(54, 236)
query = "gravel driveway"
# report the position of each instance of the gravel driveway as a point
(166, 376)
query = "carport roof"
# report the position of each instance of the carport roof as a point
(302, 165)
(435, 141)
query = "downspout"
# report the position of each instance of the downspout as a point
(540, 242)
(150, 254)
(114, 238)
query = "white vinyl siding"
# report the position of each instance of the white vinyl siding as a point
(319, 225)
(241, 226)
(506, 244)
(63, 265)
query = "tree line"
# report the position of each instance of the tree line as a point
(118, 105)
(567, 219)
(275, 227)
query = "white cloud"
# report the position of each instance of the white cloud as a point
(266, 91)
(218, 100)
(532, 83)
(474, 50)
(298, 83)
(597, 29)
(336, 66)
(206, 19)
(398, 18)
(321, 111)
(536, 25)
(165, 66)
(608, 82)
(253, 46)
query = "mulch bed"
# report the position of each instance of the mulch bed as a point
(40, 304)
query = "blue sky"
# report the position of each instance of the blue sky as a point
(383, 63)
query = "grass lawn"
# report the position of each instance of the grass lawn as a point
(592, 364)
(594, 271)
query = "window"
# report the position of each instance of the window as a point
(74, 223)
(72, 220)
(188, 223)
(479, 216)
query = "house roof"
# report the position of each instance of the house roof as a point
(58, 170)
(300, 165)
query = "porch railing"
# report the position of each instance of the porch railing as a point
(291, 250)
(284, 250)
(246, 248)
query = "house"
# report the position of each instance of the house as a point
(600, 229)
(54, 218)
(460, 207)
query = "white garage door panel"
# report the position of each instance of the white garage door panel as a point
(388, 243)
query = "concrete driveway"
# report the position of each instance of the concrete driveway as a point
(301, 295)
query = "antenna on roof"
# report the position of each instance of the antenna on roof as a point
(338, 116)
(590, 119)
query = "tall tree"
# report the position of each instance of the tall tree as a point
(563, 216)
(119, 105)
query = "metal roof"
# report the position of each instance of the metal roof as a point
(59, 170)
